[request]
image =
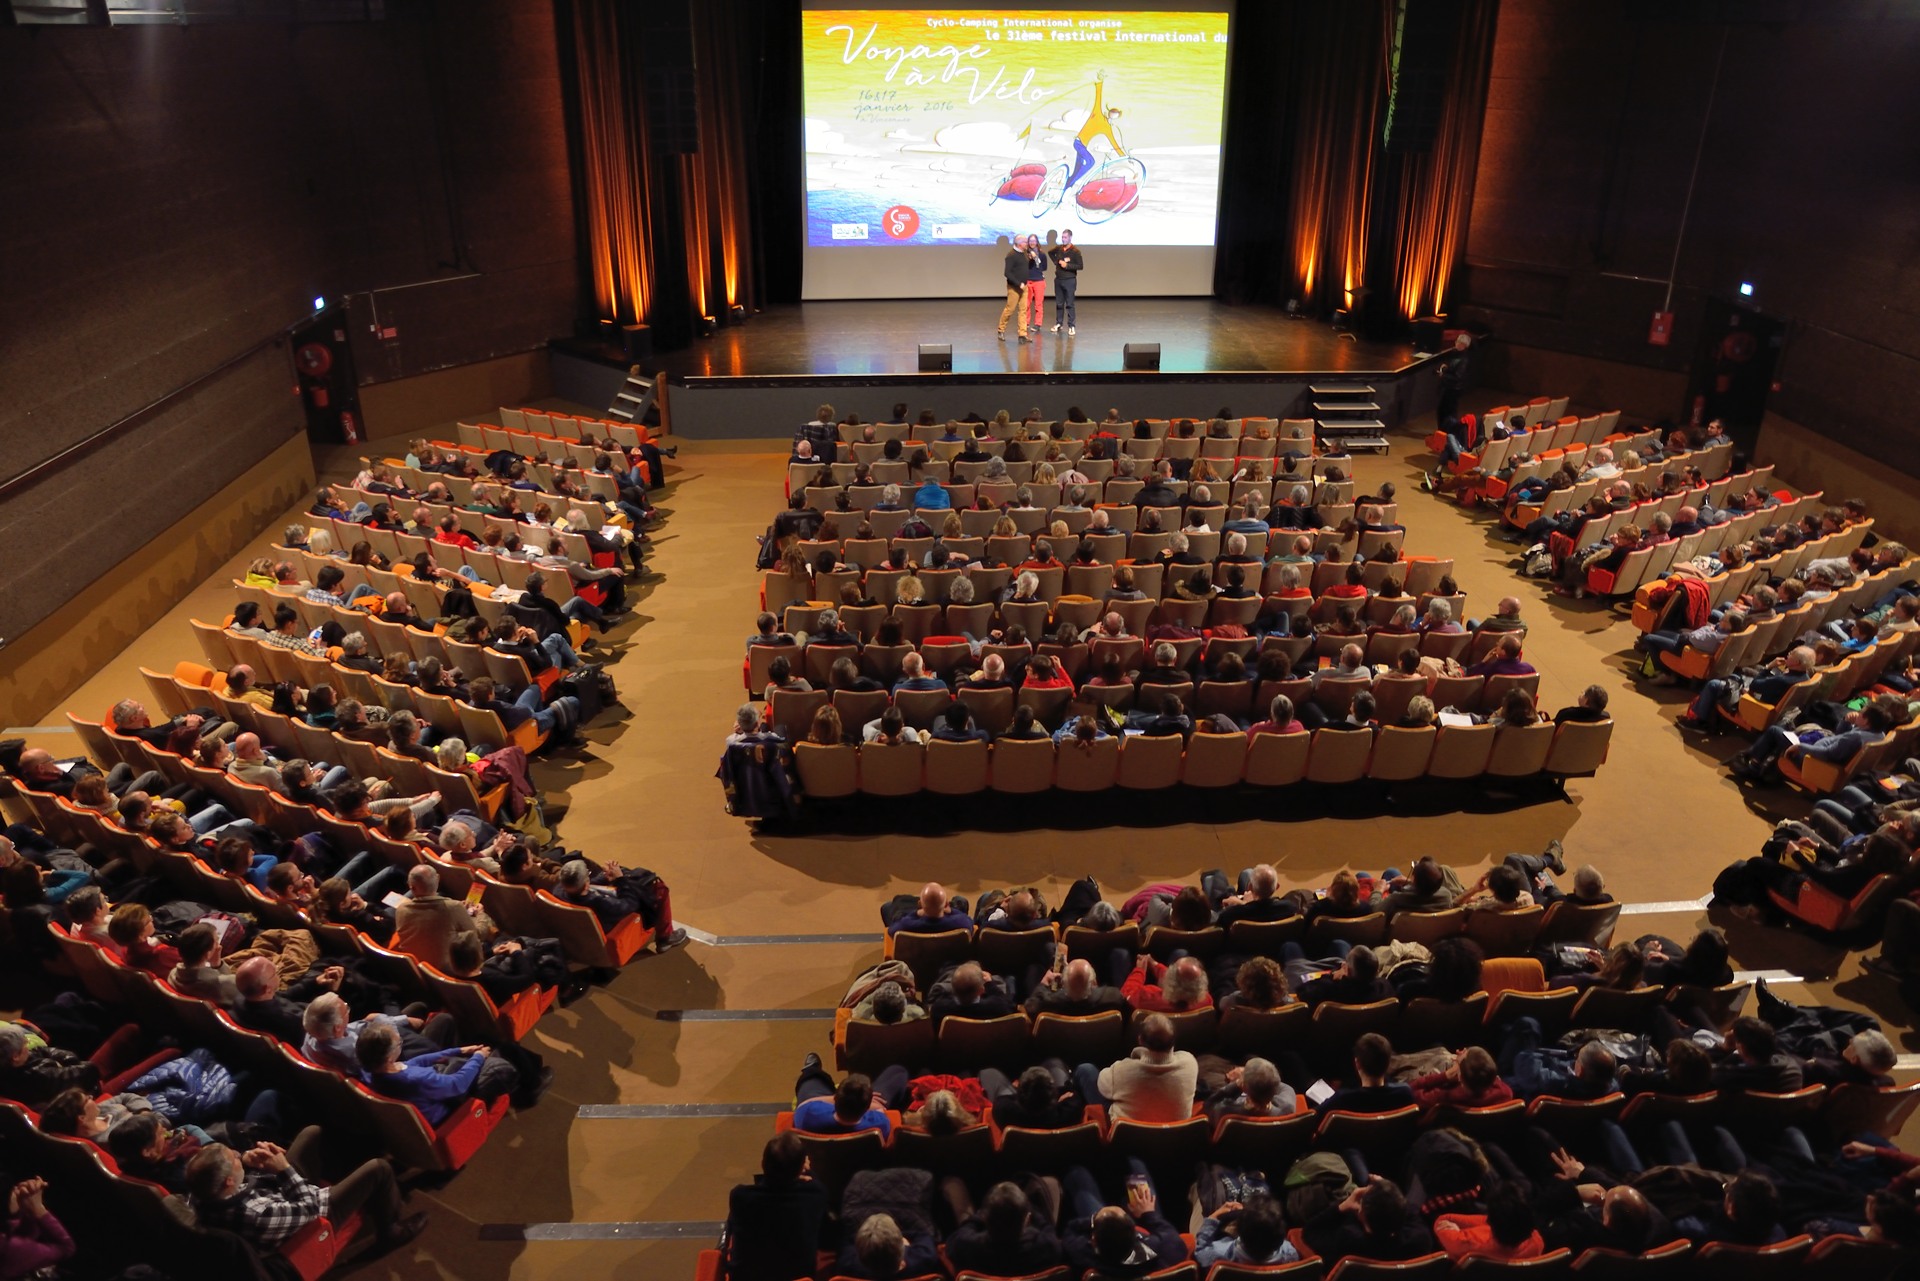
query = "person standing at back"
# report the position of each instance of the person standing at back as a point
(1067, 264)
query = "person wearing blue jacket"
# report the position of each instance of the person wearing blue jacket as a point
(420, 1080)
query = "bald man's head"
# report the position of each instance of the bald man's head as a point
(1079, 979)
(36, 765)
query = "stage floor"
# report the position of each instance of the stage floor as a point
(1196, 336)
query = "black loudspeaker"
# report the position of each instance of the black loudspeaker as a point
(1429, 332)
(669, 78)
(1425, 33)
(936, 357)
(638, 340)
(1140, 355)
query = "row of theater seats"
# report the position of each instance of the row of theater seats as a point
(1083, 589)
(1651, 563)
(1776, 634)
(1496, 755)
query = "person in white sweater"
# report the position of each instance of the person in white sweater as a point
(1154, 1083)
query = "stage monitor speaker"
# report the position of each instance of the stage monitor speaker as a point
(936, 357)
(1429, 332)
(1140, 355)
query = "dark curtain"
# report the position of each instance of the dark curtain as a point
(667, 237)
(1312, 205)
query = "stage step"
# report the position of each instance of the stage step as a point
(1343, 390)
(631, 401)
(1340, 408)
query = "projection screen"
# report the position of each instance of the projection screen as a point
(934, 136)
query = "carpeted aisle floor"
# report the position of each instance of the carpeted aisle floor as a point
(681, 1060)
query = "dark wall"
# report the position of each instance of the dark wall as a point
(1808, 187)
(177, 194)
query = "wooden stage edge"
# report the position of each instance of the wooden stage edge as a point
(752, 379)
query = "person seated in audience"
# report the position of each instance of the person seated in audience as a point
(1259, 984)
(1280, 719)
(1432, 887)
(888, 1003)
(1371, 1223)
(1254, 1090)
(774, 1223)
(1506, 1231)
(1004, 1237)
(913, 675)
(1258, 898)
(613, 893)
(1120, 1243)
(1505, 618)
(1043, 671)
(88, 916)
(1155, 1083)
(1350, 977)
(337, 902)
(1074, 990)
(857, 1103)
(1472, 1080)
(1533, 1069)
(1505, 660)
(956, 725)
(935, 914)
(427, 922)
(1253, 1234)
(35, 1074)
(131, 929)
(1590, 710)
(1502, 888)
(890, 729)
(263, 1199)
(879, 1251)
(420, 1081)
(1042, 1098)
(941, 1115)
(968, 991)
(327, 1033)
(1171, 989)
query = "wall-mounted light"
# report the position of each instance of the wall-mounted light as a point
(1746, 289)
(319, 302)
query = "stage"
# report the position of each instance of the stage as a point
(764, 377)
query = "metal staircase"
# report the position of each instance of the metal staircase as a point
(1347, 412)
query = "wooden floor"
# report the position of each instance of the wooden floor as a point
(1195, 336)
(716, 1031)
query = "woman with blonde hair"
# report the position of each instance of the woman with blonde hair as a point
(951, 526)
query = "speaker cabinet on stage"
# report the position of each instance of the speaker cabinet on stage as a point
(1429, 332)
(638, 340)
(936, 357)
(1140, 355)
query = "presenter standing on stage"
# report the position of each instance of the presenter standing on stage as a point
(1067, 262)
(1015, 270)
(1036, 284)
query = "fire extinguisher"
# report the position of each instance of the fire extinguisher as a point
(1699, 410)
(351, 429)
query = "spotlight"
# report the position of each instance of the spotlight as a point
(705, 326)
(736, 315)
(319, 302)
(1746, 289)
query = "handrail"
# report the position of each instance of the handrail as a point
(120, 427)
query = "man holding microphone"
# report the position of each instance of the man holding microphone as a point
(1067, 262)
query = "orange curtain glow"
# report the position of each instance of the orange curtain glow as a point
(613, 159)
(1341, 96)
(1436, 189)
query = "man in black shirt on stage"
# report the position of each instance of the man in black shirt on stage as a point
(1067, 262)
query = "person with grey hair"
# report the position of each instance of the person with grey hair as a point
(888, 1003)
(294, 536)
(328, 1033)
(427, 922)
(1164, 669)
(615, 893)
(262, 1198)
(1074, 989)
(1258, 897)
(1253, 1090)
(1439, 619)
(34, 1074)
(436, 1083)
(458, 844)
(880, 1250)
(1180, 987)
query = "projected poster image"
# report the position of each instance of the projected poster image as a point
(943, 127)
